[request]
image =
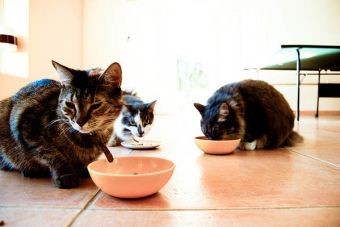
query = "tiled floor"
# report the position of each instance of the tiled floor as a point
(299, 186)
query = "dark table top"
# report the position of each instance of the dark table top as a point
(313, 58)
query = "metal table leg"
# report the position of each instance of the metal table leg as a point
(298, 66)
(317, 100)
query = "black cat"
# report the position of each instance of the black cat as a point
(251, 110)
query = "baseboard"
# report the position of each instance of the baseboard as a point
(321, 113)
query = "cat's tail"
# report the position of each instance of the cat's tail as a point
(293, 139)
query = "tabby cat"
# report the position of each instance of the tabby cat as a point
(135, 119)
(51, 128)
(251, 110)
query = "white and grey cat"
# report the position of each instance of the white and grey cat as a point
(134, 120)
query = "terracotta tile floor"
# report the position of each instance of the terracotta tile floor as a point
(299, 186)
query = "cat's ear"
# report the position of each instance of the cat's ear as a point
(129, 107)
(200, 108)
(151, 105)
(113, 75)
(64, 73)
(223, 112)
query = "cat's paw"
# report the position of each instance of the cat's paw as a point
(33, 173)
(67, 181)
(250, 146)
(85, 174)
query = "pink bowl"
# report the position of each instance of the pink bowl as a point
(216, 146)
(131, 177)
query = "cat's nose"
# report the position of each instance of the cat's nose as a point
(81, 122)
(140, 131)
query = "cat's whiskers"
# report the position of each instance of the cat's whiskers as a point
(55, 121)
(64, 130)
(65, 127)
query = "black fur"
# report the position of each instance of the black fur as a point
(251, 110)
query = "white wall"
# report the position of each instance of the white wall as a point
(147, 36)
(126, 32)
(54, 31)
(14, 18)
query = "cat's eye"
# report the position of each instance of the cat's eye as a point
(70, 105)
(131, 123)
(96, 105)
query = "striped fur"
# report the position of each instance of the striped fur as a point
(51, 128)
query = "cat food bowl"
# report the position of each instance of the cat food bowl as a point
(131, 177)
(216, 146)
(141, 144)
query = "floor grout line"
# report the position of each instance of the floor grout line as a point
(39, 207)
(84, 208)
(174, 209)
(315, 158)
(215, 209)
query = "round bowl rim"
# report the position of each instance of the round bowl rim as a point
(132, 175)
(201, 138)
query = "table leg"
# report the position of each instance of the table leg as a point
(317, 101)
(298, 66)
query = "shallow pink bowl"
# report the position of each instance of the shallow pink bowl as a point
(216, 146)
(131, 177)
